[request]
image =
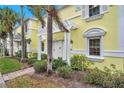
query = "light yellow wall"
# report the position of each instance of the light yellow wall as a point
(34, 39)
(119, 62)
(34, 24)
(108, 22)
(58, 36)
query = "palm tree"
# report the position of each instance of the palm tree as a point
(9, 19)
(23, 57)
(3, 33)
(52, 15)
(3, 36)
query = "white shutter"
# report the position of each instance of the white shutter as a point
(78, 8)
(85, 11)
(103, 9)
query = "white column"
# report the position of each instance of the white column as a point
(39, 48)
(67, 47)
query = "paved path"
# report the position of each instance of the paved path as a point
(13, 75)
(2, 83)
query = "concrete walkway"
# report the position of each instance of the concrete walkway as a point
(13, 75)
(2, 83)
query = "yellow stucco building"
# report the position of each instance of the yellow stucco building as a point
(96, 31)
(31, 35)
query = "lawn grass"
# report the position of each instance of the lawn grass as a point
(8, 65)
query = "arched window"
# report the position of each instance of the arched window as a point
(94, 41)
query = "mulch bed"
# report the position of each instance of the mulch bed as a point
(76, 80)
(53, 81)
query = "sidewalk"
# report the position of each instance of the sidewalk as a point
(13, 75)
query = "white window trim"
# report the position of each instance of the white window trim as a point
(93, 57)
(93, 33)
(95, 17)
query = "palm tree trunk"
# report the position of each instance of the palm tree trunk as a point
(25, 49)
(11, 43)
(4, 46)
(23, 37)
(49, 43)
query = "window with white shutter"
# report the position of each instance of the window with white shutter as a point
(104, 9)
(92, 12)
(85, 11)
(77, 8)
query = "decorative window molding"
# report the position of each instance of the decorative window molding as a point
(94, 33)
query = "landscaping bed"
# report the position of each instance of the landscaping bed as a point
(77, 75)
(43, 81)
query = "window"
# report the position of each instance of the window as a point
(94, 43)
(94, 10)
(94, 46)
(42, 46)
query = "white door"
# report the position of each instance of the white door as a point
(57, 49)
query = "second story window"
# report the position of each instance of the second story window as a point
(94, 10)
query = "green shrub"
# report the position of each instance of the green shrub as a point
(40, 66)
(64, 71)
(34, 56)
(44, 56)
(114, 80)
(18, 54)
(31, 61)
(95, 76)
(109, 77)
(80, 62)
(58, 63)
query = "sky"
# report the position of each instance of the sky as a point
(27, 13)
(16, 8)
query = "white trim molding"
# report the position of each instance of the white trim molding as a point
(92, 32)
(106, 53)
(111, 53)
(121, 27)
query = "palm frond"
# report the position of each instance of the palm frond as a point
(58, 20)
(36, 10)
